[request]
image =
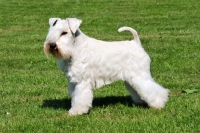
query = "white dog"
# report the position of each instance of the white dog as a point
(89, 63)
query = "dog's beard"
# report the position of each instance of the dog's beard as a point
(55, 52)
(58, 52)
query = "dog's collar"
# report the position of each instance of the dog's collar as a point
(77, 33)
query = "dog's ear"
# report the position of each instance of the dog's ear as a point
(53, 21)
(74, 24)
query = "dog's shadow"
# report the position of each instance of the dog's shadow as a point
(97, 102)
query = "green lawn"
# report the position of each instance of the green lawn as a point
(33, 92)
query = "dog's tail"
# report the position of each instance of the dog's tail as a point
(134, 32)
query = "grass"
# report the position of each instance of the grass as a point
(33, 92)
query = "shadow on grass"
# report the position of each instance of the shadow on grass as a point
(97, 102)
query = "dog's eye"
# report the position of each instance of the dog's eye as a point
(63, 33)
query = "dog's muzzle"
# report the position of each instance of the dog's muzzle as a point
(52, 46)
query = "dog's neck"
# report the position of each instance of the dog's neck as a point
(77, 33)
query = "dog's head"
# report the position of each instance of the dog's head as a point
(60, 38)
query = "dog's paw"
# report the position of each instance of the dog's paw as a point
(73, 112)
(159, 101)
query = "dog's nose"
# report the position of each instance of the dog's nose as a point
(52, 46)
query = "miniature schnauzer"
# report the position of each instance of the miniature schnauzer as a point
(90, 63)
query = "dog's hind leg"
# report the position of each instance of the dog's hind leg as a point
(134, 95)
(152, 93)
(81, 99)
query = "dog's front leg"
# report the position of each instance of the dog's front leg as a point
(81, 98)
(71, 88)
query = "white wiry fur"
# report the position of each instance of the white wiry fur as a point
(89, 63)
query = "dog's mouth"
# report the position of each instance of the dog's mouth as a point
(52, 48)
